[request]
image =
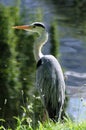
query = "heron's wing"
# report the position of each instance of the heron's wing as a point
(48, 81)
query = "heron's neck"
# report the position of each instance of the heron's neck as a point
(43, 37)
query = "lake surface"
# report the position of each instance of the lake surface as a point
(72, 53)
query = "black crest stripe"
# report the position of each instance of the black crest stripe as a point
(40, 25)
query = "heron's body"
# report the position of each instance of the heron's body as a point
(49, 76)
(50, 84)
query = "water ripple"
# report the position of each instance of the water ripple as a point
(75, 74)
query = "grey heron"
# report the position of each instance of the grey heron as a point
(49, 76)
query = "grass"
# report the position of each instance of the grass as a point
(26, 123)
(48, 125)
(63, 126)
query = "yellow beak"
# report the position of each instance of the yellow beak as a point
(22, 27)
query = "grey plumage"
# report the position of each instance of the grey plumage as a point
(50, 84)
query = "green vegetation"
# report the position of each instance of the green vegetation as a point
(26, 124)
(9, 82)
(54, 39)
(17, 67)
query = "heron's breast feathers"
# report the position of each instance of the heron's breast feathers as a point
(47, 79)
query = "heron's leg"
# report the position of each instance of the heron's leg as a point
(46, 116)
(60, 112)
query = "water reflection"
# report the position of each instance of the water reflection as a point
(77, 109)
(73, 58)
(73, 52)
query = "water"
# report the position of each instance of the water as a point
(73, 54)
(77, 109)
(73, 59)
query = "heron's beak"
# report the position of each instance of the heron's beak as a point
(23, 27)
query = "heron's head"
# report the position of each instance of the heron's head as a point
(34, 27)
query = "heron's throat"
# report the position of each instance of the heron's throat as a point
(43, 37)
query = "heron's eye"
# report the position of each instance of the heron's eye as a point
(34, 26)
